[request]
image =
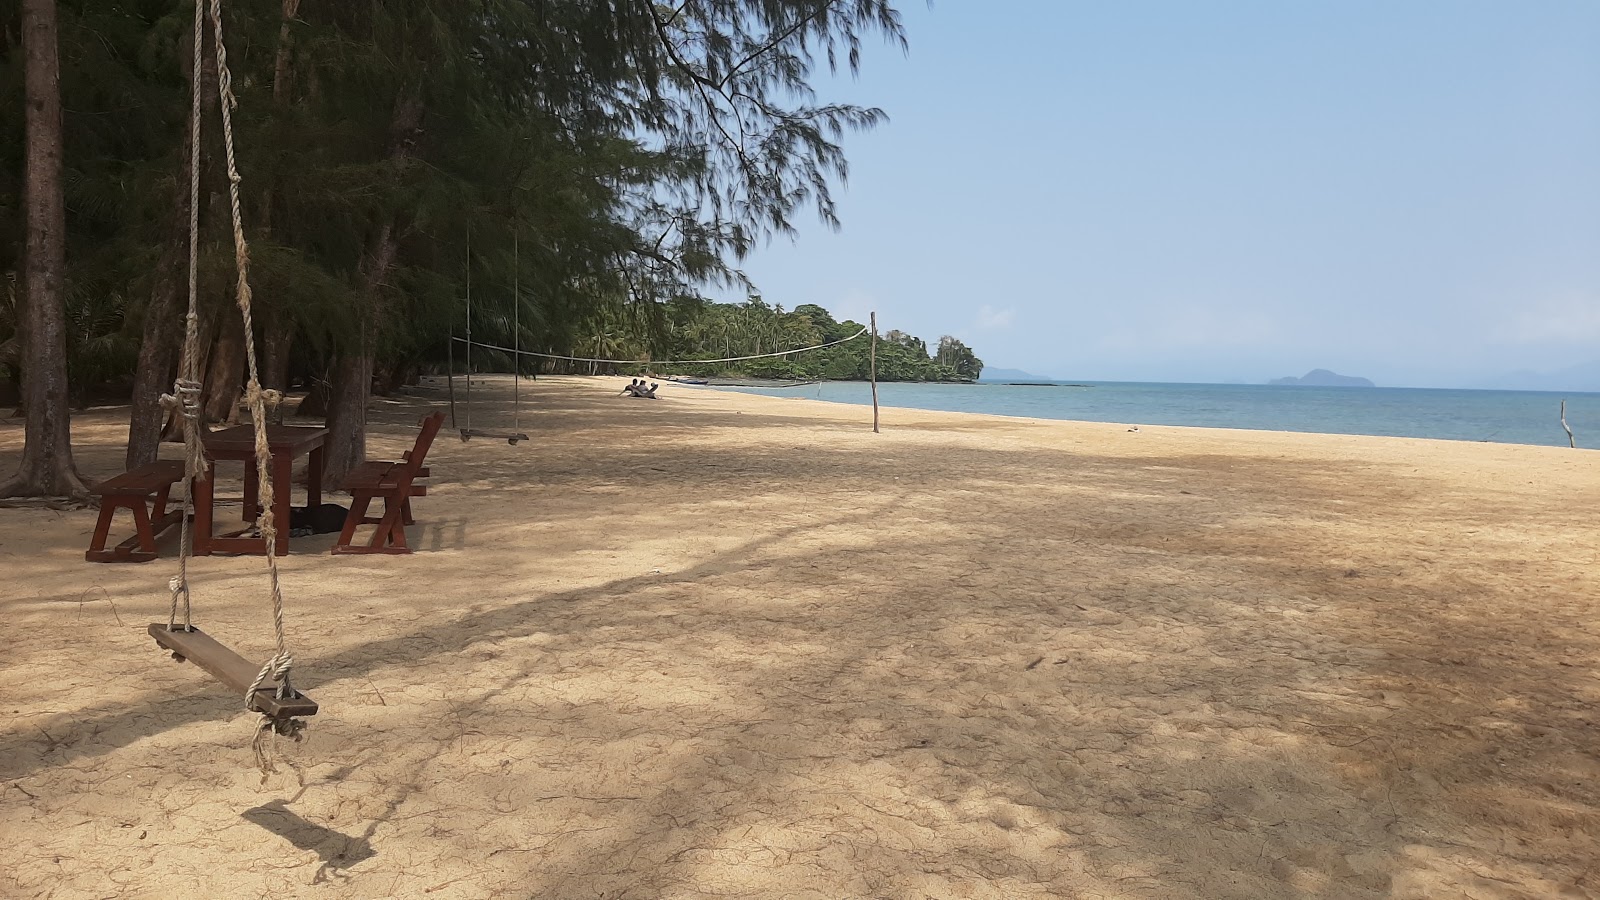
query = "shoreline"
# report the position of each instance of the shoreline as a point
(1042, 420)
(1147, 424)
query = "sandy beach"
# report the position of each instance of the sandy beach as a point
(732, 645)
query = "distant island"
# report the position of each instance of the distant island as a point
(1324, 378)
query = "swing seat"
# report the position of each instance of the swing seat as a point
(231, 669)
(511, 438)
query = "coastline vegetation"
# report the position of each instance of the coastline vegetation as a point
(695, 329)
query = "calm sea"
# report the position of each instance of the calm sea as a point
(1512, 417)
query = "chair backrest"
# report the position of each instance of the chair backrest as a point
(413, 458)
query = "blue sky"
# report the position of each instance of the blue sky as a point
(1226, 191)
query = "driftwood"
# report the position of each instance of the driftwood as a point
(1571, 441)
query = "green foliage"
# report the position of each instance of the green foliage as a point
(700, 330)
(605, 162)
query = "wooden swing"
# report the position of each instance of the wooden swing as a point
(233, 670)
(266, 688)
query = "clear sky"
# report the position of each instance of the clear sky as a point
(1226, 191)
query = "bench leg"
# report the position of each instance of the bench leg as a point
(142, 546)
(390, 536)
(162, 498)
(102, 530)
(391, 533)
(358, 511)
(141, 526)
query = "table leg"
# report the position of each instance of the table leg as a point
(314, 479)
(283, 471)
(202, 492)
(252, 491)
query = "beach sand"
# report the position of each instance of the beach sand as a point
(731, 645)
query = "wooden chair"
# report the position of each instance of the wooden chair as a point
(144, 491)
(392, 482)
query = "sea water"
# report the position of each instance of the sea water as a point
(1513, 417)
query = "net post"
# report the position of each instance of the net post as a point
(450, 372)
(516, 330)
(873, 357)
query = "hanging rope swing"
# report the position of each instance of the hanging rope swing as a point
(468, 432)
(266, 689)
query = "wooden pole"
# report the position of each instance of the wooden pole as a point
(1571, 441)
(450, 372)
(873, 356)
(516, 331)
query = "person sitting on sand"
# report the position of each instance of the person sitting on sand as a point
(638, 388)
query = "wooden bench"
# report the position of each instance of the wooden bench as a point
(144, 491)
(393, 483)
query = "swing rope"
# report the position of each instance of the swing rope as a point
(257, 399)
(186, 395)
(186, 390)
(516, 331)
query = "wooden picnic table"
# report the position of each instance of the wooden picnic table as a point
(286, 443)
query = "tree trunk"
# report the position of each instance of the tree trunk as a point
(224, 378)
(207, 329)
(351, 375)
(281, 72)
(314, 405)
(158, 350)
(350, 384)
(277, 330)
(47, 469)
(278, 337)
(162, 340)
(397, 375)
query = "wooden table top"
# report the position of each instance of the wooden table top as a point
(241, 439)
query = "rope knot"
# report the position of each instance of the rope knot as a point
(276, 669)
(269, 397)
(184, 399)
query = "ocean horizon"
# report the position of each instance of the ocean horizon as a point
(1456, 414)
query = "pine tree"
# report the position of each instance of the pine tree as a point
(47, 468)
